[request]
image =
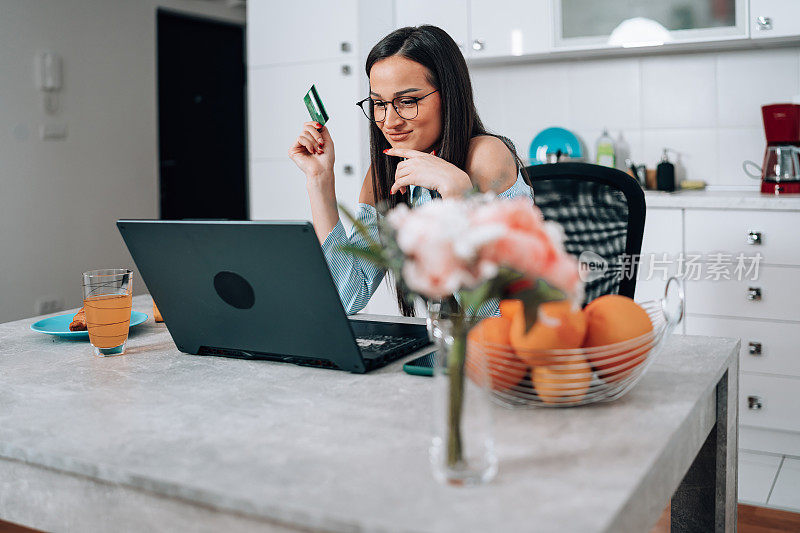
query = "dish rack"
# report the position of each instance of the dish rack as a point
(569, 378)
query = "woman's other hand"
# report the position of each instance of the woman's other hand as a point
(429, 171)
(313, 151)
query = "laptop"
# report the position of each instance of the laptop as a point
(258, 290)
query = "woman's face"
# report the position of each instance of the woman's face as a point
(398, 76)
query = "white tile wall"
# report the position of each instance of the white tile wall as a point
(544, 101)
(735, 145)
(705, 105)
(679, 91)
(604, 93)
(696, 151)
(485, 87)
(749, 79)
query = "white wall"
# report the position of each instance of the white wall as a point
(705, 105)
(59, 199)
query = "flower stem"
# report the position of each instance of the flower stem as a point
(455, 375)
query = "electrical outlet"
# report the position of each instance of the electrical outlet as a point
(46, 305)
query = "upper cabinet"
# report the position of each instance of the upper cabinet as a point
(503, 28)
(774, 18)
(323, 31)
(450, 15)
(538, 29)
(637, 23)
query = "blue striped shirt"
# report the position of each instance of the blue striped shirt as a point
(357, 279)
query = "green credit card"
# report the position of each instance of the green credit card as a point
(315, 107)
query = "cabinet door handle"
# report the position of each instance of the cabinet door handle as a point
(346, 70)
(348, 169)
(754, 237)
(478, 45)
(754, 293)
(764, 23)
(754, 348)
(345, 46)
(754, 403)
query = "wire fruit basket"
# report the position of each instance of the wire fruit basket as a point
(568, 378)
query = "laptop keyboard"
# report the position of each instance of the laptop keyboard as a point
(385, 347)
(376, 350)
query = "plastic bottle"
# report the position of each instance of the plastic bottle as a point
(622, 151)
(665, 173)
(605, 150)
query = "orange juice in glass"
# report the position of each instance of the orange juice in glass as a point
(107, 296)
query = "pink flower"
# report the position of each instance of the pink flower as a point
(528, 244)
(455, 244)
(440, 246)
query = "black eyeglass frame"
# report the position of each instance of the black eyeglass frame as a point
(416, 99)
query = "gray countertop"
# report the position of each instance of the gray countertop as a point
(270, 443)
(705, 199)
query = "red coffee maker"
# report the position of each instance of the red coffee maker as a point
(780, 173)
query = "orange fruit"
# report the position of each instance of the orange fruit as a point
(558, 327)
(611, 319)
(488, 344)
(509, 308)
(563, 383)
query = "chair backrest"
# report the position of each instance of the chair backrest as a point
(602, 211)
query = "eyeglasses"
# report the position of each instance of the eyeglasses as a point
(407, 107)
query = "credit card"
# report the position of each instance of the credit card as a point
(315, 107)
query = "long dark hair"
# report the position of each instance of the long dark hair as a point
(434, 49)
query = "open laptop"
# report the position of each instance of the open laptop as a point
(257, 290)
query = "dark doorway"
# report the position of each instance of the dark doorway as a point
(201, 118)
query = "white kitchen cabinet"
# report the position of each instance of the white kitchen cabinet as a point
(278, 191)
(288, 32)
(772, 296)
(290, 47)
(769, 402)
(586, 24)
(774, 18)
(661, 245)
(501, 28)
(277, 111)
(768, 322)
(768, 347)
(743, 232)
(450, 15)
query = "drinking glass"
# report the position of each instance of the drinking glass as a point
(107, 297)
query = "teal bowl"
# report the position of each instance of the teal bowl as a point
(552, 141)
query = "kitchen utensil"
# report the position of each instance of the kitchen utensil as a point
(650, 178)
(554, 145)
(780, 172)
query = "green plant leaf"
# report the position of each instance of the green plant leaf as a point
(360, 227)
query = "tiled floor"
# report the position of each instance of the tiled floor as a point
(769, 480)
(786, 492)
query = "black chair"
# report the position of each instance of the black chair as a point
(602, 211)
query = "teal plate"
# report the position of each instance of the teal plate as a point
(59, 325)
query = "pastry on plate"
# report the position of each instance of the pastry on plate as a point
(157, 314)
(79, 321)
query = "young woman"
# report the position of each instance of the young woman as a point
(426, 141)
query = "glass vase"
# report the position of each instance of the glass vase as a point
(462, 450)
